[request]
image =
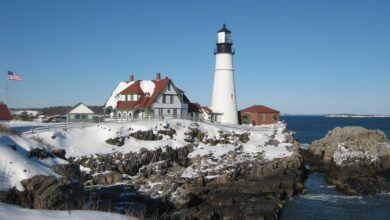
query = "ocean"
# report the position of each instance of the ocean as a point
(323, 201)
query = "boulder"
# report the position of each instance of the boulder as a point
(70, 171)
(118, 141)
(354, 159)
(107, 178)
(146, 135)
(39, 153)
(60, 153)
(48, 192)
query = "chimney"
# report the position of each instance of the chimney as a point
(158, 76)
(131, 77)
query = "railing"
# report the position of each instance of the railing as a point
(49, 127)
(69, 125)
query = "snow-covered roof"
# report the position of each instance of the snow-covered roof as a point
(112, 101)
(80, 108)
(148, 90)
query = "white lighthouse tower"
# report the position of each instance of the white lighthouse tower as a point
(224, 92)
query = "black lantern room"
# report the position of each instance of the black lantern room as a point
(224, 41)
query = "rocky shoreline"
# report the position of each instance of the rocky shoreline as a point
(220, 177)
(207, 178)
(354, 159)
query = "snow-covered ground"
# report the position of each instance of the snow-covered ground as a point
(16, 166)
(8, 212)
(92, 140)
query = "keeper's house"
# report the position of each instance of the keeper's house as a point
(81, 113)
(259, 115)
(156, 98)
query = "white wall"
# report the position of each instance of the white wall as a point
(224, 93)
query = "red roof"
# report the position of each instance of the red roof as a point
(143, 101)
(194, 107)
(260, 108)
(207, 109)
(126, 104)
(5, 115)
(134, 88)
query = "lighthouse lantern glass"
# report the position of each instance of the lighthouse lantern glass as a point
(228, 38)
(221, 37)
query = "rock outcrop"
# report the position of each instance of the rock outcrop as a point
(354, 159)
(170, 184)
(48, 192)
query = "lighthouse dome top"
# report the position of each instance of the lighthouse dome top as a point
(224, 29)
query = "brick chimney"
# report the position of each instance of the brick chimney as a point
(131, 77)
(158, 76)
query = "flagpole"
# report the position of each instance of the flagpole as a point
(6, 88)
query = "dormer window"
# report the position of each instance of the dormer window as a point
(133, 97)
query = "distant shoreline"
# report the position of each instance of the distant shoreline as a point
(355, 116)
(341, 115)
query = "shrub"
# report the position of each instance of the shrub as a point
(6, 129)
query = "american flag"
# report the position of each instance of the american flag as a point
(13, 76)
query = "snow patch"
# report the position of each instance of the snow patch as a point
(147, 86)
(15, 212)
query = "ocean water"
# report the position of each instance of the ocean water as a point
(323, 201)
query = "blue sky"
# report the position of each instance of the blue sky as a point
(300, 57)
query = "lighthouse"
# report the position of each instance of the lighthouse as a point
(224, 93)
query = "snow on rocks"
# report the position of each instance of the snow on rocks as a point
(15, 165)
(14, 212)
(355, 159)
(92, 140)
(343, 155)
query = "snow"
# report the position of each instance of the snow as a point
(29, 112)
(14, 212)
(89, 141)
(16, 166)
(342, 155)
(147, 86)
(112, 101)
(190, 172)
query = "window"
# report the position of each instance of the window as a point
(164, 98)
(160, 111)
(174, 112)
(83, 116)
(168, 111)
(171, 100)
(77, 116)
(169, 87)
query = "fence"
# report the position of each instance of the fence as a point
(49, 127)
(41, 128)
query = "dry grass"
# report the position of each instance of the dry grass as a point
(7, 130)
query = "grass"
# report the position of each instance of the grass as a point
(7, 130)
